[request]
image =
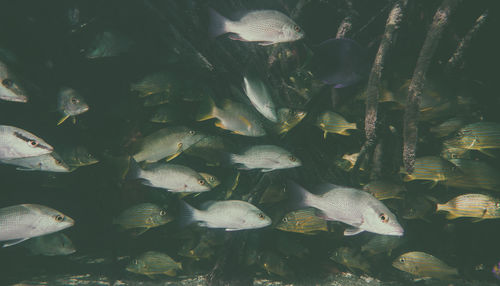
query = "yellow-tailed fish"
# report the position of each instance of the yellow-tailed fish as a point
(11, 89)
(383, 190)
(302, 221)
(432, 168)
(233, 116)
(70, 103)
(477, 175)
(77, 156)
(480, 136)
(288, 119)
(265, 157)
(471, 205)
(154, 263)
(331, 122)
(210, 179)
(424, 265)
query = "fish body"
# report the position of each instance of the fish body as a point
(264, 26)
(477, 175)
(351, 259)
(21, 222)
(108, 44)
(432, 168)
(354, 207)
(471, 205)
(382, 244)
(302, 221)
(154, 263)
(383, 190)
(417, 207)
(260, 97)
(231, 215)
(202, 250)
(50, 245)
(275, 192)
(233, 116)
(210, 149)
(265, 157)
(166, 142)
(331, 122)
(424, 265)
(172, 177)
(70, 103)
(51, 162)
(479, 136)
(166, 113)
(11, 88)
(18, 143)
(77, 156)
(447, 127)
(288, 119)
(275, 264)
(145, 215)
(159, 82)
(212, 180)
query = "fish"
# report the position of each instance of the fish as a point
(22, 222)
(382, 244)
(424, 265)
(153, 263)
(275, 264)
(331, 122)
(383, 190)
(357, 208)
(171, 177)
(340, 62)
(265, 157)
(447, 127)
(53, 244)
(288, 119)
(70, 103)
(481, 136)
(233, 116)
(51, 162)
(209, 148)
(351, 259)
(19, 143)
(166, 113)
(260, 97)
(496, 270)
(11, 89)
(432, 168)
(477, 175)
(211, 180)
(202, 250)
(417, 207)
(477, 206)
(166, 143)
(267, 27)
(77, 156)
(108, 44)
(231, 215)
(143, 217)
(450, 152)
(155, 83)
(302, 221)
(274, 192)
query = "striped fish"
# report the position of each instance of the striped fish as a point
(383, 190)
(144, 216)
(477, 175)
(479, 136)
(288, 119)
(331, 122)
(471, 205)
(424, 265)
(432, 168)
(302, 221)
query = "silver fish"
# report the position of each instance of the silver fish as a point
(50, 245)
(265, 157)
(21, 222)
(10, 87)
(19, 143)
(51, 162)
(231, 215)
(70, 103)
(260, 97)
(264, 26)
(354, 207)
(172, 177)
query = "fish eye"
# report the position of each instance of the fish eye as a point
(75, 100)
(296, 28)
(262, 216)
(58, 162)
(179, 144)
(7, 82)
(59, 218)
(212, 179)
(497, 204)
(293, 159)
(402, 260)
(285, 219)
(201, 182)
(33, 143)
(299, 114)
(192, 132)
(135, 261)
(162, 212)
(384, 218)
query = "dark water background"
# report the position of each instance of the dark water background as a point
(49, 54)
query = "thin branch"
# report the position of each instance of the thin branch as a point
(431, 42)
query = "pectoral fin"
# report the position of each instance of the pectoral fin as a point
(232, 229)
(266, 43)
(62, 120)
(352, 231)
(267, 170)
(170, 272)
(171, 157)
(451, 216)
(14, 242)
(324, 134)
(487, 152)
(139, 231)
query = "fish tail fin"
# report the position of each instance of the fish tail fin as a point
(218, 24)
(187, 214)
(353, 126)
(134, 170)
(206, 109)
(441, 207)
(299, 197)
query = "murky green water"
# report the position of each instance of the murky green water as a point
(48, 43)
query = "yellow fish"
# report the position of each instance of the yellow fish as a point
(471, 205)
(424, 265)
